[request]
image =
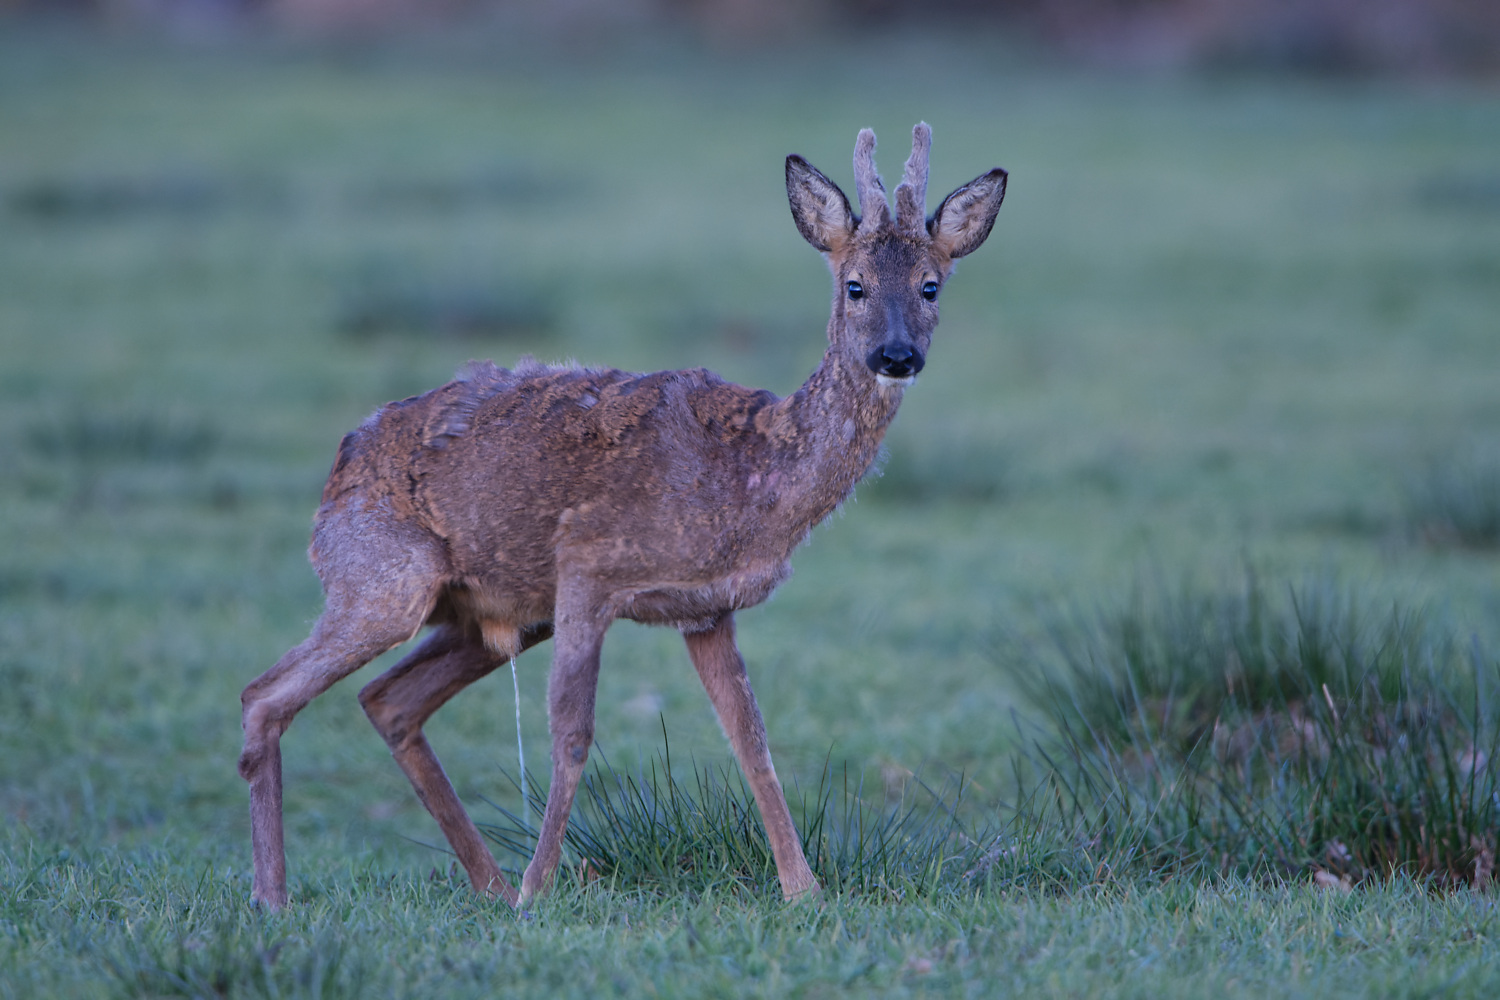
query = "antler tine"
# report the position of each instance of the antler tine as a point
(911, 193)
(872, 203)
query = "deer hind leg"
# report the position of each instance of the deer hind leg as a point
(400, 701)
(571, 687)
(357, 625)
(722, 670)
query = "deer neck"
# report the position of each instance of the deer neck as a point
(826, 435)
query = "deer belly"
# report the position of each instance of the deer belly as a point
(694, 605)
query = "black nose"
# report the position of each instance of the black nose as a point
(895, 360)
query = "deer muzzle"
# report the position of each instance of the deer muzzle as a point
(895, 361)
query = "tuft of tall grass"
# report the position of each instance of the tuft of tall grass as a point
(942, 467)
(124, 435)
(451, 311)
(221, 961)
(1457, 502)
(1248, 733)
(108, 198)
(659, 831)
(1253, 733)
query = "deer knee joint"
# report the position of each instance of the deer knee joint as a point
(573, 748)
(389, 720)
(253, 758)
(259, 722)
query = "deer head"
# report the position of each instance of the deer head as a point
(889, 273)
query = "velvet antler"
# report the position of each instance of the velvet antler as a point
(873, 210)
(911, 193)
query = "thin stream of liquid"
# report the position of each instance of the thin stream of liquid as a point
(520, 748)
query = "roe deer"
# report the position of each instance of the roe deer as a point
(508, 507)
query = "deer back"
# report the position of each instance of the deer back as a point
(654, 482)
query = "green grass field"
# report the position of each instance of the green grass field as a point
(1223, 322)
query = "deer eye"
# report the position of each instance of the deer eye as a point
(856, 290)
(929, 290)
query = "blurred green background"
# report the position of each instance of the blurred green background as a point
(1241, 307)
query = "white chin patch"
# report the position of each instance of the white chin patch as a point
(887, 382)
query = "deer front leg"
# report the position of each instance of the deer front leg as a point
(571, 687)
(722, 671)
(399, 703)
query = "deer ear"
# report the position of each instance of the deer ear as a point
(964, 219)
(819, 208)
